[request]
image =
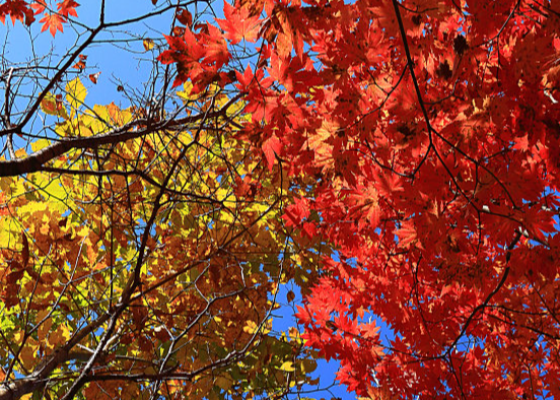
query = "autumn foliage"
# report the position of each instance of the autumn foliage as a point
(399, 160)
(142, 246)
(430, 130)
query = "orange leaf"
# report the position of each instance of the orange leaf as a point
(52, 22)
(93, 77)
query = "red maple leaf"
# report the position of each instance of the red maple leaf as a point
(52, 22)
(297, 212)
(239, 24)
(67, 7)
(38, 6)
(271, 148)
(16, 10)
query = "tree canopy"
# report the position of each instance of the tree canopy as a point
(398, 160)
(142, 245)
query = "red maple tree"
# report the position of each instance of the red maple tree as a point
(425, 138)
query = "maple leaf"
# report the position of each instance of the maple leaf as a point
(239, 24)
(52, 22)
(67, 7)
(38, 6)
(309, 229)
(17, 10)
(246, 79)
(299, 210)
(271, 148)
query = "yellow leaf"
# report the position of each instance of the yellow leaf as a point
(53, 191)
(20, 153)
(148, 44)
(294, 333)
(40, 144)
(251, 327)
(59, 336)
(186, 93)
(288, 366)
(52, 105)
(75, 93)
